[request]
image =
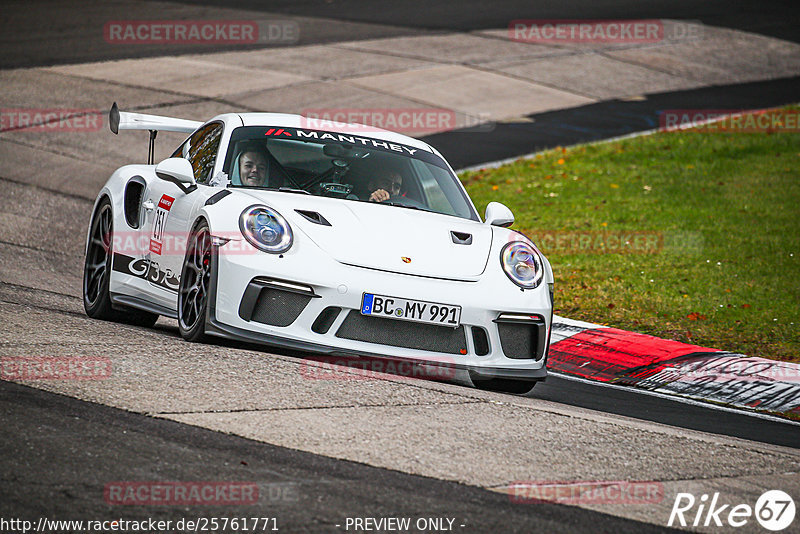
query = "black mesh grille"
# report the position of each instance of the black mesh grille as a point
(278, 308)
(480, 340)
(518, 340)
(403, 334)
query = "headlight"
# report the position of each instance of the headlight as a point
(266, 229)
(522, 264)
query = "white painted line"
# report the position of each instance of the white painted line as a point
(574, 322)
(678, 398)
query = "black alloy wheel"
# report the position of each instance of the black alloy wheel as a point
(97, 273)
(193, 296)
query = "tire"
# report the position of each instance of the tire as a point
(193, 297)
(97, 273)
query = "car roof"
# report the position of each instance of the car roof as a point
(299, 121)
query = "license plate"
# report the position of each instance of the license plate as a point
(417, 311)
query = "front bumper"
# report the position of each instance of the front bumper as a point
(323, 314)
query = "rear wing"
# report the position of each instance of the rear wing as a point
(124, 120)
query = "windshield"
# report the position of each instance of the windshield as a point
(344, 166)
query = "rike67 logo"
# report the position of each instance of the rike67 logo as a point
(774, 510)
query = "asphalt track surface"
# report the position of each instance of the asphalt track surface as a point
(52, 33)
(64, 475)
(767, 18)
(57, 452)
(667, 411)
(602, 120)
(49, 32)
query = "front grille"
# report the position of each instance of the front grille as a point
(522, 340)
(275, 307)
(404, 334)
(274, 302)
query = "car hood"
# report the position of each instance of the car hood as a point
(388, 238)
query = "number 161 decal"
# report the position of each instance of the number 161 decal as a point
(164, 205)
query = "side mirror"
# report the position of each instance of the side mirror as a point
(178, 171)
(498, 215)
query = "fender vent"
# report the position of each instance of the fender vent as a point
(217, 197)
(314, 217)
(133, 200)
(460, 238)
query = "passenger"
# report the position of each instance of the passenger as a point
(253, 168)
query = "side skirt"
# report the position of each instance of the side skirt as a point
(120, 302)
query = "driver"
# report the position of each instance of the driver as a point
(253, 168)
(385, 187)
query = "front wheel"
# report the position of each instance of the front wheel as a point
(97, 273)
(193, 294)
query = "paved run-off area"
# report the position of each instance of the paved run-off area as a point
(438, 430)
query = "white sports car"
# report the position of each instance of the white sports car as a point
(332, 238)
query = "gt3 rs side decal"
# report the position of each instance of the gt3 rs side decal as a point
(146, 270)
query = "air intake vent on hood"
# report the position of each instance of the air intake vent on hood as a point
(314, 217)
(460, 238)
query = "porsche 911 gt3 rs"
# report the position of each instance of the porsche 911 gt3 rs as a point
(327, 238)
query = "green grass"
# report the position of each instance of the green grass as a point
(724, 208)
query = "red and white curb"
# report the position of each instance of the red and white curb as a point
(614, 356)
